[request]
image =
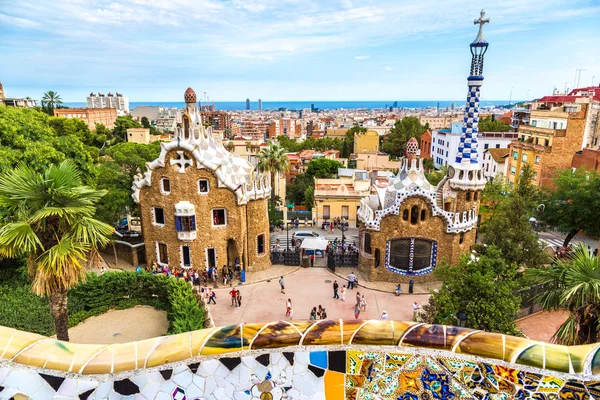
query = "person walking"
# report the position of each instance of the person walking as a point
(358, 298)
(351, 279)
(288, 308)
(233, 293)
(416, 308)
(212, 297)
(343, 292)
(282, 284)
(335, 290)
(356, 311)
(363, 303)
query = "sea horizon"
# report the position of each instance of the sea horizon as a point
(321, 105)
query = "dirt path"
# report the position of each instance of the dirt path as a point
(120, 326)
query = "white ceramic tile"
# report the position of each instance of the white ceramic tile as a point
(150, 389)
(209, 367)
(68, 388)
(183, 378)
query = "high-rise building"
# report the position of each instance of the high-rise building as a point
(247, 104)
(118, 101)
(259, 104)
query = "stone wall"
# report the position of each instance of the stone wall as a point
(328, 359)
(449, 248)
(184, 187)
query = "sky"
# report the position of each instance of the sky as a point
(152, 50)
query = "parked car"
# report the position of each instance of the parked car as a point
(131, 234)
(301, 235)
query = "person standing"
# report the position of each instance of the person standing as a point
(282, 284)
(358, 298)
(351, 280)
(356, 311)
(416, 308)
(363, 303)
(398, 290)
(239, 298)
(233, 293)
(324, 314)
(336, 286)
(313, 314)
(384, 315)
(212, 297)
(343, 292)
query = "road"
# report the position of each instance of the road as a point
(555, 239)
(351, 235)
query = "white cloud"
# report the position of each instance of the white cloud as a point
(20, 22)
(361, 57)
(388, 68)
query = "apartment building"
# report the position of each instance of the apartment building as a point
(116, 101)
(92, 116)
(340, 197)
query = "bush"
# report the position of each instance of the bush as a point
(21, 309)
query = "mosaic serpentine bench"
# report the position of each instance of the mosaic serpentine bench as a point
(327, 359)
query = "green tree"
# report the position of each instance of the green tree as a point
(132, 157)
(573, 205)
(301, 190)
(117, 202)
(572, 284)
(297, 189)
(103, 134)
(309, 197)
(50, 101)
(508, 228)
(51, 223)
(489, 124)
(273, 159)
(323, 168)
(145, 122)
(350, 139)
(434, 177)
(494, 193)
(483, 287)
(403, 130)
(121, 126)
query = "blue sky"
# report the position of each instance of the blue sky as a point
(152, 50)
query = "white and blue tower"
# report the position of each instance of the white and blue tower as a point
(466, 171)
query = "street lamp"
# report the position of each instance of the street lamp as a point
(461, 316)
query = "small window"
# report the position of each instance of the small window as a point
(345, 212)
(513, 170)
(414, 215)
(165, 185)
(476, 196)
(260, 243)
(163, 253)
(524, 158)
(468, 196)
(203, 186)
(497, 146)
(535, 176)
(219, 217)
(515, 155)
(186, 260)
(377, 258)
(423, 214)
(159, 216)
(461, 238)
(185, 224)
(405, 215)
(537, 159)
(367, 243)
(485, 146)
(326, 214)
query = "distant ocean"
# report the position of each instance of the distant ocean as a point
(299, 105)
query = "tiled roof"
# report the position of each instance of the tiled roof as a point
(498, 154)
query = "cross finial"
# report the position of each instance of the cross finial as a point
(481, 21)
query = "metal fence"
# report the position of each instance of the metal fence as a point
(286, 257)
(341, 260)
(528, 304)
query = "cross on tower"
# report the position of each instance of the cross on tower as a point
(481, 21)
(182, 161)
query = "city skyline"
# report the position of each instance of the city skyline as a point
(328, 51)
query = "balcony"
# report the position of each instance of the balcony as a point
(525, 119)
(186, 236)
(521, 110)
(535, 130)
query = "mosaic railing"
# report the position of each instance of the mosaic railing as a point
(328, 359)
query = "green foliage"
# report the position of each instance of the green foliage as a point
(309, 197)
(295, 191)
(327, 143)
(483, 288)
(323, 168)
(434, 177)
(494, 193)
(400, 134)
(31, 137)
(145, 122)
(21, 309)
(50, 101)
(489, 124)
(132, 157)
(121, 126)
(508, 228)
(301, 190)
(572, 284)
(573, 204)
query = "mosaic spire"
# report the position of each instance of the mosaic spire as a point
(467, 148)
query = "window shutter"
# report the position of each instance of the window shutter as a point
(193, 222)
(178, 224)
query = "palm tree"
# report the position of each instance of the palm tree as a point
(51, 223)
(230, 147)
(574, 284)
(51, 100)
(274, 160)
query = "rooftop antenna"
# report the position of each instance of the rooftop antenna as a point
(579, 75)
(566, 83)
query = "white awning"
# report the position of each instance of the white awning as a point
(314, 244)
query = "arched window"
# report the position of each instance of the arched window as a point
(405, 215)
(423, 214)
(367, 243)
(461, 238)
(414, 215)
(411, 254)
(468, 196)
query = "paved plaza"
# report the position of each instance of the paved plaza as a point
(307, 287)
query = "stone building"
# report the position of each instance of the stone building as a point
(200, 205)
(91, 116)
(409, 227)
